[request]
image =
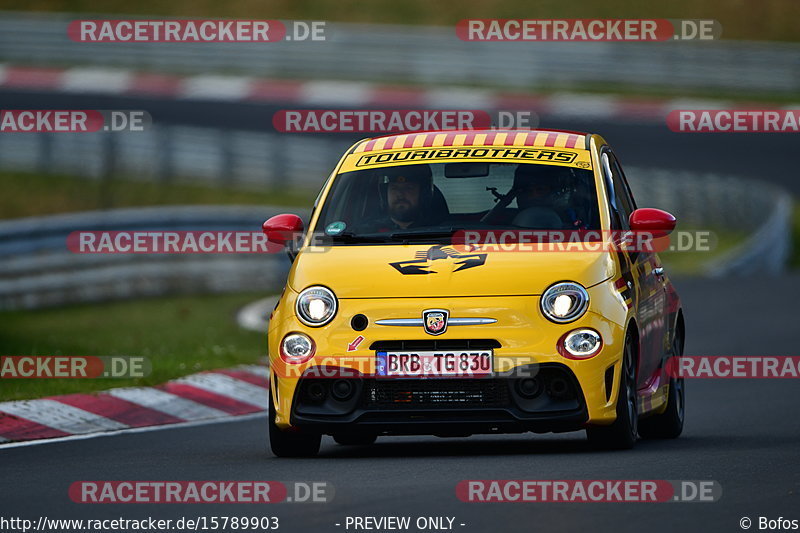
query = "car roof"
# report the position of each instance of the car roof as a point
(477, 137)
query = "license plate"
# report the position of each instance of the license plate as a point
(435, 363)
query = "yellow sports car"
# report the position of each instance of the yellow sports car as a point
(460, 282)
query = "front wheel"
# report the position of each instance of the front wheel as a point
(621, 435)
(291, 444)
(669, 424)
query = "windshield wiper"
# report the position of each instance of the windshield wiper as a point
(424, 235)
(349, 237)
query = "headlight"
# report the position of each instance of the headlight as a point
(297, 348)
(316, 306)
(564, 302)
(581, 344)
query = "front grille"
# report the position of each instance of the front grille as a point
(436, 393)
(434, 344)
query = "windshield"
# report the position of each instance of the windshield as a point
(391, 203)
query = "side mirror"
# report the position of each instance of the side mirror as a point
(656, 222)
(282, 229)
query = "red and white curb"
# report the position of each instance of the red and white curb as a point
(334, 93)
(205, 396)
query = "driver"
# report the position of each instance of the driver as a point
(405, 194)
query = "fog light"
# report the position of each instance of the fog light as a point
(529, 388)
(297, 348)
(342, 389)
(580, 344)
(316, 391)
(559, 389)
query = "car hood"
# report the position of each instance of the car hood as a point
(388, 271)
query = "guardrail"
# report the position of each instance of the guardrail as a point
(765, 251)
(425, 55)
(760, 211)
(37, 270)
(206, 155)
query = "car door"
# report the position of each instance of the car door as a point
(643, 269)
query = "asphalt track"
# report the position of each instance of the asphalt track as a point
(745, 434)
(742, 433)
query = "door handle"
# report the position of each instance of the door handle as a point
(658, 271)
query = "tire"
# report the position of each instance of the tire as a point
(346, 439)
(621, 435)
(291, 444)
(669, 424)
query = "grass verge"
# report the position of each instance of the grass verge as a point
(180, 335)
(693, 262)
(27, 194)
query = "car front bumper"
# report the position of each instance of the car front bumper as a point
(553, 401)
(522, 335)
